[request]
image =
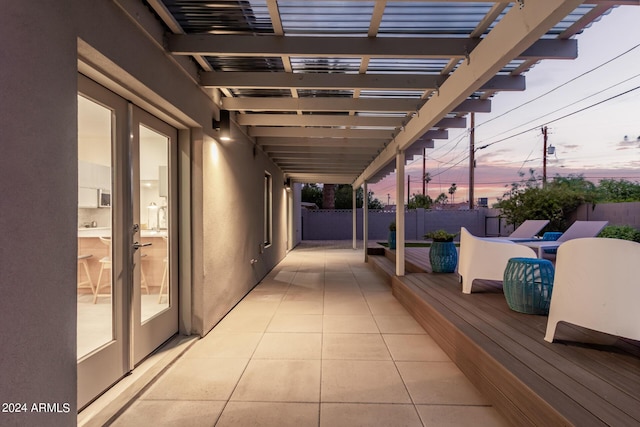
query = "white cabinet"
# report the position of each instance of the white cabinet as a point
(87, 197)
(93, 175)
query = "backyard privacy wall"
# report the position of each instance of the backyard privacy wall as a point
(615, 213)
(337, 224)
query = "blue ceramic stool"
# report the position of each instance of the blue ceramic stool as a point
(551, 235)
(528, 284)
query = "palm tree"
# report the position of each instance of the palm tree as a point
(452, 190)
(427, 179)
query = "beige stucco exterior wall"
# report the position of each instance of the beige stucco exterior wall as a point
(38, 119)
(42, 44)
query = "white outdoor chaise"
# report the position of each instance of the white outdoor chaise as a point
(527, 230)
(482, 258)
(578, 229)
(597, 286)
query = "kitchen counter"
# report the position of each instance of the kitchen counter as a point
(106, 232)
(94, 232)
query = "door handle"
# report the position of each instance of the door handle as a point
(137, 245)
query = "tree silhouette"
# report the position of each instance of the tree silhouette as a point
(427, 179)
(452, 190)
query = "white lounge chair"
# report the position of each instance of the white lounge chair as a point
(597, 286)
(486, 258)
(528, 229)
(578, 229)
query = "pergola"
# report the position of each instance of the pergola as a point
(348, 91)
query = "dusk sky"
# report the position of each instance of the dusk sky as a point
(591, 142)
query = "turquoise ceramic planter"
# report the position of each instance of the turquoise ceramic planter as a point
(443, 257)
(392, 240)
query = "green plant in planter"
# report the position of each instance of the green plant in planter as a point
(443, 254)
(440, 236)
(392, 235)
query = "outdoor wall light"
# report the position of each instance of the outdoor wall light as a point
(287, 184)
(223, 126)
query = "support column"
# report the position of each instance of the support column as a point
(365, 221)
(354, 228)
(400, 158)
(472, 160)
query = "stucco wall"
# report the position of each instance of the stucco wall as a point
(338, 224)
(38, 210)
(326, 224)
(615, 213)
(233, 175)
(41, 46)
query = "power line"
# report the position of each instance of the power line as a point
(461, 137)
(560, 118)
(561, 85)
(568, 105)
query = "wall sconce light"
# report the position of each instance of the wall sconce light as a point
(287, 184)
(223, 125)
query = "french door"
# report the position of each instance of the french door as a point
(155, 308)
(126, 286)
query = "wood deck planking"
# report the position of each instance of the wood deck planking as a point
(526, 344)
(622, 369)
(517, 383)
(486, 371)
(527, 378)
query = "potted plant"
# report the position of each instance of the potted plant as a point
(442, 254)
(392, 235)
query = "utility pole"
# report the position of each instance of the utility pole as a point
(544, 158)
(408, 187)
(472, 161)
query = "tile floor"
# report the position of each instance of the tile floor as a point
(321, 341)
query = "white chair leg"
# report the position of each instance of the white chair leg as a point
(164, 281)
(95, 293)
(85, 268)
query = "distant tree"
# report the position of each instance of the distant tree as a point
(328, 196)
(373, 203)
(419, 201)
(344, 198)
(452, 191)
(427, 180)
(555, 202)
(311, 193)
(441, 199)
(616, 191)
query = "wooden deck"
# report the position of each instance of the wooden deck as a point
(530, 381)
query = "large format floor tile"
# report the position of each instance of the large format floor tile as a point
(354, 347)
(439, 383)
(321, 341)
(362, 382)
(169, 413)
(269, 414)
(279, 381)
(198, 379)
(368, 415)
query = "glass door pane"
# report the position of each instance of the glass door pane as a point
(95, 277)
(102, 254)
(155, 276)
(155, 296)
